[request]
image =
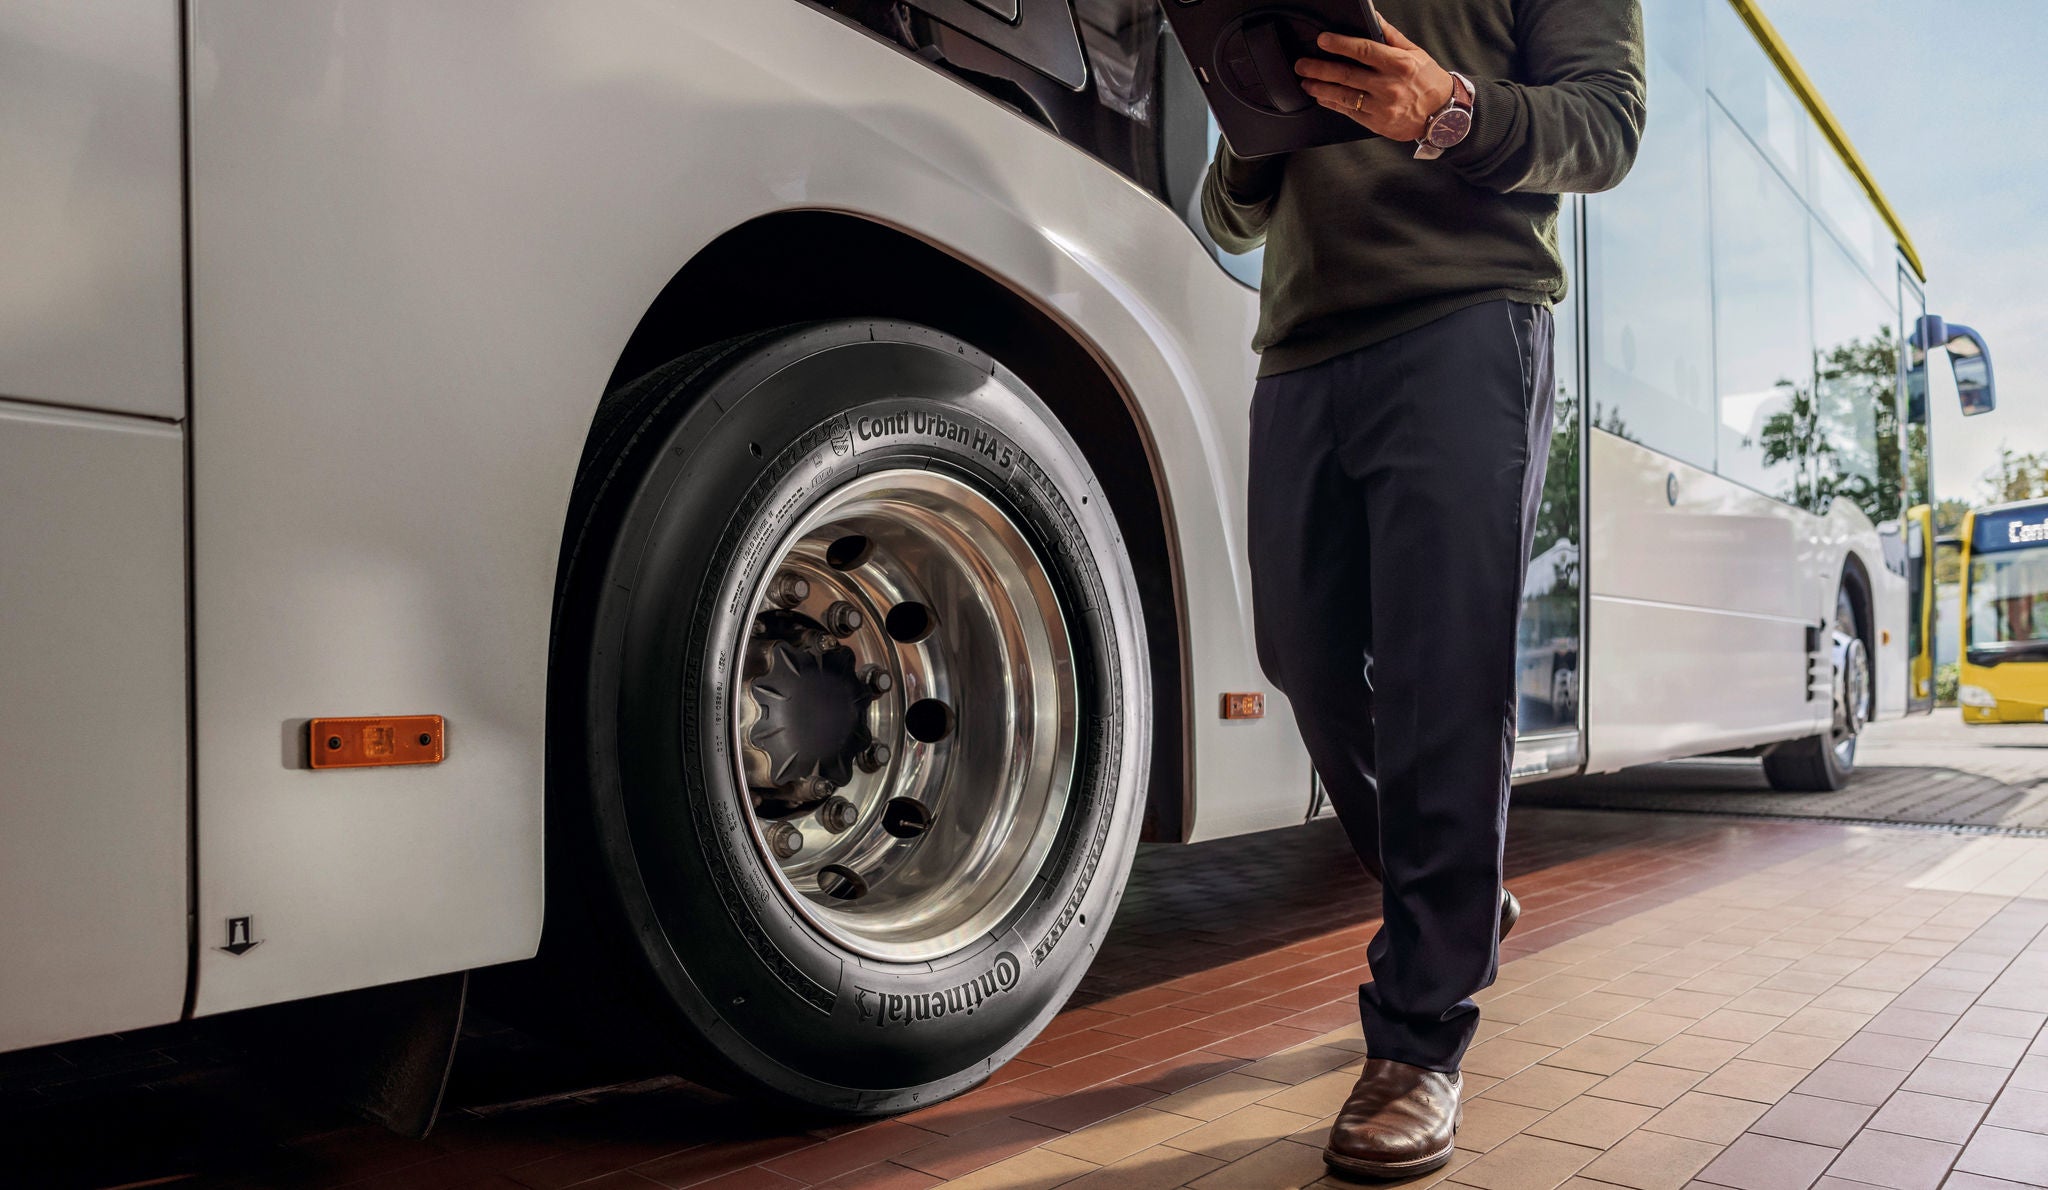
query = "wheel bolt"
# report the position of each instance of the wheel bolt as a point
(819, 788)
(843, 619)
(838, 815)
(788, 590)
(874, 757)
(877, 679)
(785, 840)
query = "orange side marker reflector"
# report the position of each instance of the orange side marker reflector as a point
(364, 743)
(1244, 706)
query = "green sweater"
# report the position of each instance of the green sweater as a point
(1364, 242)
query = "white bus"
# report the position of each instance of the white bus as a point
(745, 499)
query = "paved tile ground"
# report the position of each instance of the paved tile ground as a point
(1691, 1002)
(1927, 769)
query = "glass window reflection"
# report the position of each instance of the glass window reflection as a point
(1763, 365)
(1854, 449)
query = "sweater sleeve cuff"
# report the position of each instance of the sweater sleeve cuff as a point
(1249, 181)
(1492, 116)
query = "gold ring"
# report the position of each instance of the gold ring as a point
(1358, 101)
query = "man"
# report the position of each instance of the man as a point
(1399, 433)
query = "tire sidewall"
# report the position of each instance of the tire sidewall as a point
(762, 439)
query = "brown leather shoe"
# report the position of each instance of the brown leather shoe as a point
(1399, 1121)
(1510, 913)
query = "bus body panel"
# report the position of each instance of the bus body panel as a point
(1698, 610)
(91, 271)
(2014, 608)
(422, 235)
(93, 840)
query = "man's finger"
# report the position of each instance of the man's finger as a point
(1358, 49)
(1341, 73)
(1395, 37)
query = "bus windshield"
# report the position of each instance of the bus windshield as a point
(2008, 613)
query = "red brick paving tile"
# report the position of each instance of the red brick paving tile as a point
(1155, 1020)
(886, 1176)
(1178, 1074)
(878, 1142)
(977, 1107)
(1074, 1045)
(1073, 1020)
(626, 1179)
(1241, 1019)
(1080, 1073)
(1011, 1071)
(1261, 1042)
(1161, 1046)
(1334, 1015)
(1133, 1003)
(964, 1152)
(753, 1178)
(1082, 1108)
(701, 1164)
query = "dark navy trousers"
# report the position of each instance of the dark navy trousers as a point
(1394, 492)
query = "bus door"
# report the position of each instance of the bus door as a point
(1920, 552)
(1548, 653)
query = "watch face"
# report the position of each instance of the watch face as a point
(1450, 127)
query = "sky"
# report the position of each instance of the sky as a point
(1941, 97)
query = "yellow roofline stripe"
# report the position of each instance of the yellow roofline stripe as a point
(1788, 66)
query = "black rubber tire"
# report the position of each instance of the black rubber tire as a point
(1810, 765)
(663, 893)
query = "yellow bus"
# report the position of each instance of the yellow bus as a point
(2004, 676)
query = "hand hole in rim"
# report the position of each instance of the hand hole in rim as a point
(928, 720)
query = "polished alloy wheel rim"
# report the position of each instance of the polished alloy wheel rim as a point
(1852, 686)
(905, 729)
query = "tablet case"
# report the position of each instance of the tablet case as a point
(1244, 51)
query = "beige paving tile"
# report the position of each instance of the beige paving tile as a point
(1553, 1029)
(1218, 1096)
(1763, 1082)
(1234, 1134)
(1772, 1002)
(1598, 1055)
(1595, 1123)
(1487, 1123)
(1641, 1082)
(1032, 1169)
(1299, 1064)
(1645, 1026)
(1726, 983)
(1156, 1168)
(1715, 1119)
(1121, 1135)
(1282, 1165)
(1563, 987)
(1704, 1054)
(1792, 1049)
(1826, 1022)
(1732, 1025)
(1458, 1161)
(1652, 1161)
(1601, 1006)
(1516, 1007)
(1526, 1163)
(1543, 1087)
(1502, 1057)
(1321, 1095)
(1695, 1005)
(1642, 983)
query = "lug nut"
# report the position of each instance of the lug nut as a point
(816, 788)
(838, 815)
(874, 757)
(788, 590)
(843, 619)
(877, 679)
(785, 840)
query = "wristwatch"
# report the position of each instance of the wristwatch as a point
(1450, 124)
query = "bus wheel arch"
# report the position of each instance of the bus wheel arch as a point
(767, 273)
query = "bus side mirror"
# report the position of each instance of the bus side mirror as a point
(1968, 357)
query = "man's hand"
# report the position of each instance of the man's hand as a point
(1392, 89)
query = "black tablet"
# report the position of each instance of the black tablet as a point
(1244, 51)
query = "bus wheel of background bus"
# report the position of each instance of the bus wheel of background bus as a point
(1823, 762)
(850, 715)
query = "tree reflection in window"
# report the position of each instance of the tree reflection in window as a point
(1839, 435)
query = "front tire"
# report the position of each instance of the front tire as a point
(853, 704)
(1822, 763)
